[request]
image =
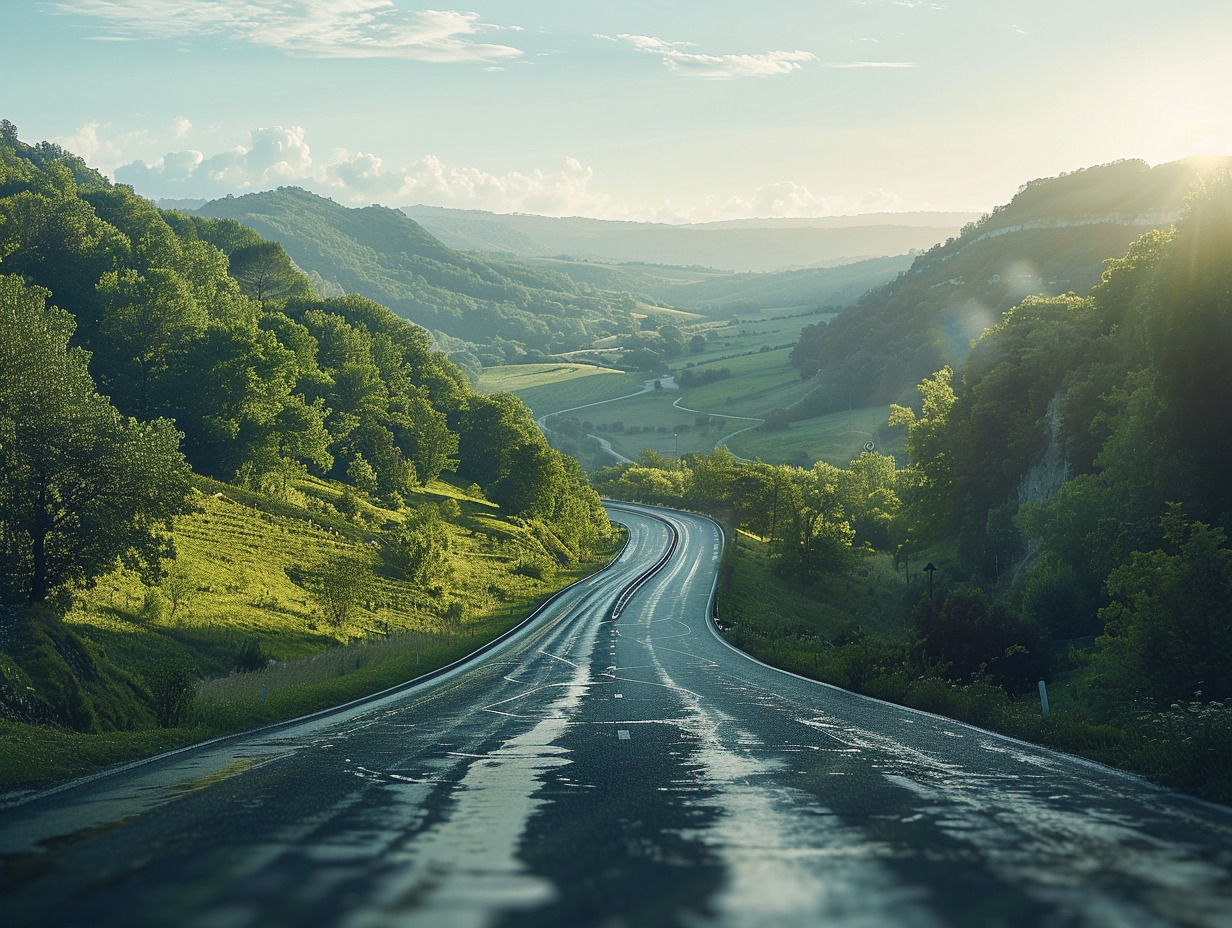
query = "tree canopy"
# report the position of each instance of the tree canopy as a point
(82, 487)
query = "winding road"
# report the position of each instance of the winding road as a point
(616, 763)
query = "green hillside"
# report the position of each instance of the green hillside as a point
(205, 467)
(1062, 516)
(1052, 238)
(717, 293)
(500, 309)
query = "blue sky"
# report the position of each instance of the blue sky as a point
(669, 111)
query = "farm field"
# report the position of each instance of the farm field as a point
(758, 384)
(652, 422)
(752, 332)
(755, 350)
(549, 388)
(837, 439)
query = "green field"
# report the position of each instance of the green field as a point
(755, 350)
(759, 383)
(837, 439)
(752, 332)
(649, 421)
(549, 388)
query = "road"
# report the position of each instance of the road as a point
(618, 770)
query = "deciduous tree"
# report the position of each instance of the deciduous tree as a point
(81, 486)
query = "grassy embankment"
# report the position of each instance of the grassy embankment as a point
(240, 609)
(854, 631)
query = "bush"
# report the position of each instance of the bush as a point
(970, 637)
(537, 568)
(172, 685)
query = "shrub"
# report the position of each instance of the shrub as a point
(172, 684)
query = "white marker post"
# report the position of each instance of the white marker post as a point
(264, 692)
(1043, 697)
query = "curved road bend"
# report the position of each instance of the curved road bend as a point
(619, 771)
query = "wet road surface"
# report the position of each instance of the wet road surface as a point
(618, 770)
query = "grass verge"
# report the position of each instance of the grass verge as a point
(852, 632)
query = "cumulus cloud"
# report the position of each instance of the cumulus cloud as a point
(789, 200)
(273, 157)
(309, 28)
(677, 57)
(281, 156)
(99, 146)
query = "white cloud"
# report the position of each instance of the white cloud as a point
(716, 67)
(870, 64)
(309, 28)
(780, 200)
(280, 156)
(180, 126)
(94, 143)
(274, 157)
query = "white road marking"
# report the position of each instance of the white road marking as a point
(622, 734)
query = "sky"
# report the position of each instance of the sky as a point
(676, 111)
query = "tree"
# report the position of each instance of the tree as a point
(421, 545)
(265, 272)
(147, 319)
(817, 536)
(341, 583)
(929, 481)
(1170, 615)
(970, 635)
(81, 487)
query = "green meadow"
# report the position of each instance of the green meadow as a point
(549, 388)
(838, 439)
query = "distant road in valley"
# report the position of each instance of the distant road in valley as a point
(617, 763)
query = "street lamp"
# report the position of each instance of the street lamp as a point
(677, 437)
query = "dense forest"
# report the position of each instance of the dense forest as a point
(144, 352)
(1067, 490)
(1052, 238)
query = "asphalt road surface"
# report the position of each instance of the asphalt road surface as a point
(618, 770)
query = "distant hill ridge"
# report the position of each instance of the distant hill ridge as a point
(743, 245)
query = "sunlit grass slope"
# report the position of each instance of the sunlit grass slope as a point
(240, 607)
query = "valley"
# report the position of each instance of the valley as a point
(594, 465)
(778, 402)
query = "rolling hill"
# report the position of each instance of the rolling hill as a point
(501, 307)
(1054, 237)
